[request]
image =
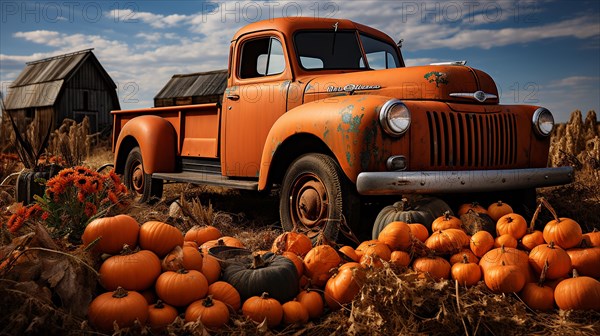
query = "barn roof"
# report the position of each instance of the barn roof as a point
(196, 85)
(40, 82)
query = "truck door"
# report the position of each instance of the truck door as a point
(257, 98)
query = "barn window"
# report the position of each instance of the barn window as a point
(29, 113)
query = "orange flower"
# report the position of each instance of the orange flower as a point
(65, 173)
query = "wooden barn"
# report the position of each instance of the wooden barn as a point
(196, 88)
(72, 86)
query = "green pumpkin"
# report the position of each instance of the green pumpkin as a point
(270, 273)
(423, 210)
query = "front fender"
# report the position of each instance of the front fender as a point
(157, 140)
(348, 125)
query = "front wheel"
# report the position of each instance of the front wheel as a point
(138, 182)
(314, 198)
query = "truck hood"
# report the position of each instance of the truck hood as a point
(452, 83)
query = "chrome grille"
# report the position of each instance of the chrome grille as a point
(472, 140)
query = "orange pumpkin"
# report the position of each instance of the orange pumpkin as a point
(559, 262)
(592, 238)
(295, 242)
(112, 232)
(349, 252)
(120, 307)
(223, 241)
(506, 240)
(182, 287)
(538, 296)
(504, 278)
(343, 287)
(498, 209)
(532, 239)
(564, 232)
(400, 258)
(474, 206)
(578, 293)
(211, 312)
(396, 235)
(375, 253)
(312, 302)
(131, 270)
(294, 313)
(160, 238)
(586, 260)
(481, 242)
(319, 261)
(512, 224)
(436, 267)
(466, 273)
(446, 221)
(187, 257)
(225, 293)
(160, 315)
(447, 241)
(211, 268)
(419, 231)
(202, 234)
(261, 308)
(297, 260)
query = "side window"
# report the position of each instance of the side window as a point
(262, 57)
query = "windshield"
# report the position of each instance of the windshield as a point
(330, 50)
(380, 55)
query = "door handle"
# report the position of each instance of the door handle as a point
(233, 96)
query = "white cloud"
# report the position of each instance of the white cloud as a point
(154, 20)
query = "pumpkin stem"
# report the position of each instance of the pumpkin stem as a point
(120, 293)
(536, 214)
(220, 242)
(543, 275)
(499, 203)
(159, 304)
(447, 215)
(208, 302)
(575, 273)
(182, 271)
(551, 245)
(465, 259)
(264, 295)
(257, 261)
(550, 208)
(126, 250)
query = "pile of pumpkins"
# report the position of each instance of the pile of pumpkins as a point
(153, 273)
(156, 272)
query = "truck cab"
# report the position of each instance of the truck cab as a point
(326, 111)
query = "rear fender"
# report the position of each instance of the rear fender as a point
(157, 140)
(347, 125)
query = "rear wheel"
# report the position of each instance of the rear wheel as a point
(142, 185)
(316, 199)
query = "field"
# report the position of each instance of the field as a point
(50, 290)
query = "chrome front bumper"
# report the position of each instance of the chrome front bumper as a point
(425, 182)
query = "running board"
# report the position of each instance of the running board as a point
(207, 179)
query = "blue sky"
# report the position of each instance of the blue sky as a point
(539, 52)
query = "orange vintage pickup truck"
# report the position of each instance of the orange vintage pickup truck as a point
(326, 111)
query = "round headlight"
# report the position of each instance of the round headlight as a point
(543, 121)
(394, 117)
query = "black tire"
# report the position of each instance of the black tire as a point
(142, 185)
(316, 198)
